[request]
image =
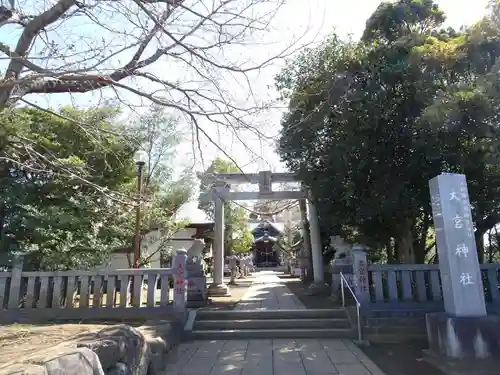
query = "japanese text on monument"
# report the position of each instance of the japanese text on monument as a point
(462, 225)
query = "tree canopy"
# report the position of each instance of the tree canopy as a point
(68, 197)
(370, 122)
(237, 235)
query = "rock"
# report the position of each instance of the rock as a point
(160, 336)
(23, 369)
(137, 353)
(71, 361)
(120, 369)
(157, 336)
(114, 350)
(110, 351)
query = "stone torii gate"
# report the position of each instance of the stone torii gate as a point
(221, 191)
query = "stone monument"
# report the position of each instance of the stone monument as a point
(342, 262)
(180, 284)
(197, 293)
(196, 249)
(360, 276)
(464, 330)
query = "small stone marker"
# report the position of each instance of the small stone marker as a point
(461, 280)
(360, 275)
(180, 280)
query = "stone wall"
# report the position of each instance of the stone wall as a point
(114, 350)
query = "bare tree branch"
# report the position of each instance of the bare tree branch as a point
(180, 54)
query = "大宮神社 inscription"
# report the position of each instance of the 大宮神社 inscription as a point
(458, 262)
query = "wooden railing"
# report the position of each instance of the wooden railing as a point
(99, 294)
(419, 286)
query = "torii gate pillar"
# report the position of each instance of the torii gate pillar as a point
(218, 288)
(265, 179)
(318, 287)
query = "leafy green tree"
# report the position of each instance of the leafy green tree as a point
(67, 189)
(61, 187)
(236, 234)
(158, 134)
(242, 240)
(369, 123)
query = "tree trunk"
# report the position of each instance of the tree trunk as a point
(391, 252)
(420, 245)
(3, 217)
(404, 241)
(306, 235)
(490, 247)
(228, 236)
(480, 245)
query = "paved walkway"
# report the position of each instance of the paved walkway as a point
(268, 292)
(270, 357)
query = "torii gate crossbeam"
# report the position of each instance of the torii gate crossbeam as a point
(221, 191)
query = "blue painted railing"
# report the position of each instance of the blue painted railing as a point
(417, 287)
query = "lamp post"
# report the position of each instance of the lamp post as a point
(140, 160)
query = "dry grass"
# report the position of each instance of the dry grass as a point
(17, 341)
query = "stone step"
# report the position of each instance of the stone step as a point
(274, 323)
(234, 334)
(338, 313)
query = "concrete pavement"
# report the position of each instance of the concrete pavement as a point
(268, 356)
(271, 357)
(268, 292)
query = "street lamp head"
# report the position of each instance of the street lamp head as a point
(140, 157)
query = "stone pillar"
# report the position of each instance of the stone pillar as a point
(197, 282)
(15, 282)
(463, 331)
(180, 281)
(360, 276)
(305, 258)
(218, 288)
(463, 291)
(342, 262)
(318, 286)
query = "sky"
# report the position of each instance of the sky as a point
(311, 20)
(347, 18)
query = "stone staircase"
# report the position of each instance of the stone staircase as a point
(253, 324)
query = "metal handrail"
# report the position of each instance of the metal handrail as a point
(358, 304)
